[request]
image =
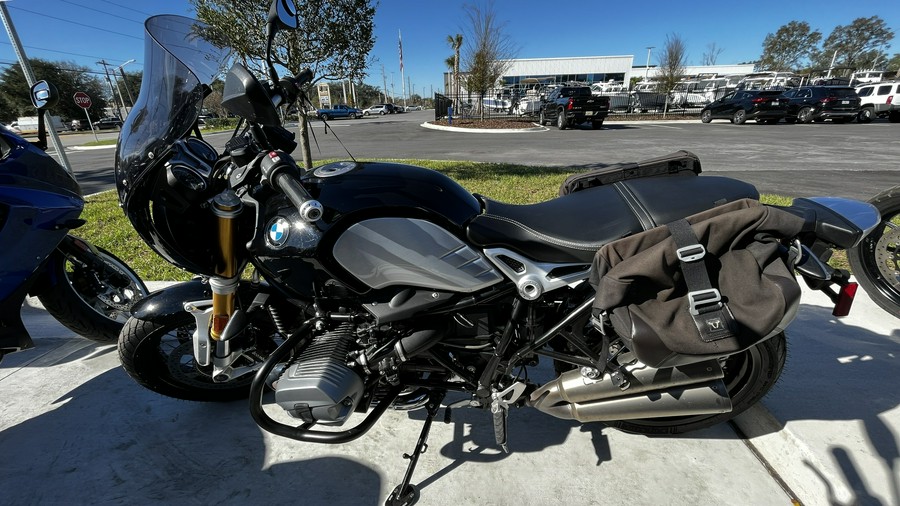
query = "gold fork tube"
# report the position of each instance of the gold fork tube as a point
(226, 206)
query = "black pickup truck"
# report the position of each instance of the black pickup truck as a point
(572, 105)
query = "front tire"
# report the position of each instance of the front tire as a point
(159, 356)
(805, 115)
(87, 303)
(325, 117)
(706, 116)
(876, 259)
(865, 115)
(749, 375)
(740, 117)
(541, 119)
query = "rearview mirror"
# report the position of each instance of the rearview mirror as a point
(283, 14)
(44, 95)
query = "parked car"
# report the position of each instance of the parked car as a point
(79, 125)
(339, 111)
(571, 105)
(877, 100)
(107, 123)
(397, 108)
(381, 109)
(765, 106)
(818, 103)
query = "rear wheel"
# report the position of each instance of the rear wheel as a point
(876, 260)
(561, 122)
(325, 117)
(740, 117)
(706, 116)
(749, 375)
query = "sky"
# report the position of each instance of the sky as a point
(87, 31)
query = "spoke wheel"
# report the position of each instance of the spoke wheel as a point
(876, 260)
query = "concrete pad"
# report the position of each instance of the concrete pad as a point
(831, 426)
(74, 429)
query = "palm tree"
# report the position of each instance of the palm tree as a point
(455, 42)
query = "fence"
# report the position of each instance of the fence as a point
(504, 103)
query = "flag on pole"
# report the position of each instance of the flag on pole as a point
(400, 42)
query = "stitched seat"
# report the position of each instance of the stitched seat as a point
(571, 228)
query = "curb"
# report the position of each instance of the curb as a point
(484, 130)
(91, 148)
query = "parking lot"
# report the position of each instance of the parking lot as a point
(849, 160)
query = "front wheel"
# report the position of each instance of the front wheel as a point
(749, 375)
(865, 115)
(325, 117)
(876, 259)
(805, 115)
(87, 301)
(541, 119)
(706, 116)
(740, 117)
(159, 355)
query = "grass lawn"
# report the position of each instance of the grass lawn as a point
(108, 227)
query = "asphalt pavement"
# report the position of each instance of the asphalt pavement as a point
(74, 429)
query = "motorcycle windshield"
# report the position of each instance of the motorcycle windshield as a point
(178, 65)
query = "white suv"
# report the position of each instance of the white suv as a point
(879, 100)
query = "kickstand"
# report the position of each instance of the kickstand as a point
(405, 494)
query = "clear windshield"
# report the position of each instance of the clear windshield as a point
(178, 61)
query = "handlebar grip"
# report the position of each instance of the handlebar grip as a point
(280, 170)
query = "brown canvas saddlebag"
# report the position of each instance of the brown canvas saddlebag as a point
(713, 284)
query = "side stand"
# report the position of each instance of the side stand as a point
(405, 494)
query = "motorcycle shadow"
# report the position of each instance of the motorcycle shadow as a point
(108, 441)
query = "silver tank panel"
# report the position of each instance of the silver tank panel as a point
(385, 252)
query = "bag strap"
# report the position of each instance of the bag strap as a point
(710, 313)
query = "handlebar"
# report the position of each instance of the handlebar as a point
(280, 170)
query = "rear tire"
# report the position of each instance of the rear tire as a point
(749, 375)
(88, 304)
(325, 117)
(876, 260)
(561, 122)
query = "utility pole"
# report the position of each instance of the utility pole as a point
(113, 93)
(384, 82)
(29, 77)
(125, 81)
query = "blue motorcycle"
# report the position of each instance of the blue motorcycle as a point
(86, 288)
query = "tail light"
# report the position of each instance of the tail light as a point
(828, 99)
(570, 104)
(889, 100)
(759, 100)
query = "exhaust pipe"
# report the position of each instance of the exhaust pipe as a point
(693, 389)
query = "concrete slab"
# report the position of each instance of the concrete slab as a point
(74, 429)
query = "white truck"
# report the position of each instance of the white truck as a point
(879, 100)
(29, 124)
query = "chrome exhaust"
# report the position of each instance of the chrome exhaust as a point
(693, 389)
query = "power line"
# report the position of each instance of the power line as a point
(44, 15)
(128, 8)
(102, 12)
(64, 52)
(80, 71)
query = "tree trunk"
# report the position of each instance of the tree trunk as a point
(303, 125)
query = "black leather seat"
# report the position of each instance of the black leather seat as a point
(570, 229)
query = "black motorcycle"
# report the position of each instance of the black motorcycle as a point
(876, 260)
(355, 288)
(86, 288)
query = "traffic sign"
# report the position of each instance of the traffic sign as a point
(82, 99)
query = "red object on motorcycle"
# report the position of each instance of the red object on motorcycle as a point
(845, 299)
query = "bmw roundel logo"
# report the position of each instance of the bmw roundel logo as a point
(279, 230)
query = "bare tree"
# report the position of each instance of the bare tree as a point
(672, 62)
(711, 54)
(488, 51)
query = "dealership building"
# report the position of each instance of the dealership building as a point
(592, 69)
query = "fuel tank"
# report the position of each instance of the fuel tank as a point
(384, 225)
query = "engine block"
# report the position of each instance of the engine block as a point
(319, 387)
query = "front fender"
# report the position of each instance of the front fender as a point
(163, 304)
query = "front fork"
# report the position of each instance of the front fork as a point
(212, 316)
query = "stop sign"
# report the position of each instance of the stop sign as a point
(82, 99)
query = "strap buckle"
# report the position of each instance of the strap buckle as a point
(700, 298)
(691, 253)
